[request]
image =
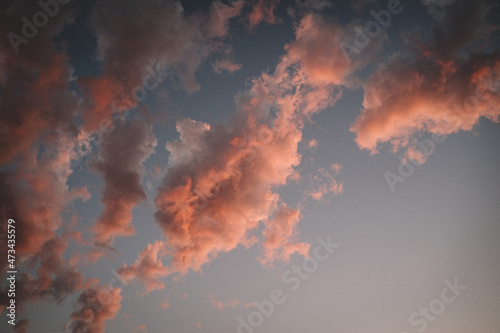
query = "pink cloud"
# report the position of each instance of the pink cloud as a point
(148, 268)
(221, 180)
(229, 66)
(93, 307)
(312, 144)
(325, 183)
(317, 49)
(222, 305)
(263, 11)
(281, 237)
(436, 90)
(165, 304)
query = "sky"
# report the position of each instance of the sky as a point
(249, 166)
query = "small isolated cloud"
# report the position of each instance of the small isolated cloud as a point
(325, 183)
(263, 11)
(222, 305)
(226, 65)
(336, 168)
(141, 329)
(312, 144)
(165, 304)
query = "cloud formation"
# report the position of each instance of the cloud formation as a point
(93, 307)
(221, 180)
(148, 269)
(281, 237)
(163, 35)
(120, 162)
(263, 11)
(222, 305)
(440, 88)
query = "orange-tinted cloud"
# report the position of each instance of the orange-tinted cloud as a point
(141, 328)
(281, 237)
(55, 277)
(317, 49)
(263, 11)
(93, 307)
(324, 183)
(222, 305)
(221, 180)
(148, 268)
(226, 65)
(437, 90)
(165, 304)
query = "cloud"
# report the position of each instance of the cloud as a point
(37, 139)
(221, 65)
(221, 180)
(36, 193)
(120, 162)
(148, 269)
(281, 237)
(222, 305)
(263, 11)
(55, 279)
(438, 89)
(50, 105)
(141, 328)
(317, 5)
(93, 307)
(318, 50)
(312, 144)
(163, 35)
(165, 304)
(21, 326)
(325, 183)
